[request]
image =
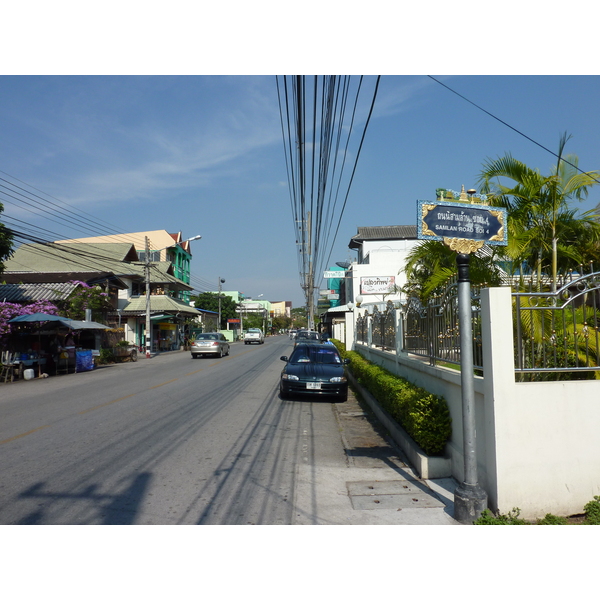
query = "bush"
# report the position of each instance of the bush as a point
(592, 511)
(106, 356)
(512, 518)
(550, 519)
(424, 416)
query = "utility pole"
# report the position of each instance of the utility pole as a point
(147, 275)
(310, 283)
(219, 322)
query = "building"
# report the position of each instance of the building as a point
(115, 267)
(375, 277)
(378, 275)
(164, 247)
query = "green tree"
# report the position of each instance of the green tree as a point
(6, 242)
(86, 297)
(210, 301)
(542, 228)
(281, 322)
(430, 266)
(299, 317)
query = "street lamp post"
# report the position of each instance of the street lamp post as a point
(147, 277)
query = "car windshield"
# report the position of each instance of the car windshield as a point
(314, 354)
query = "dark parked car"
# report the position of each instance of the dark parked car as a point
(307, 336)
(210, 343)
(314, 369)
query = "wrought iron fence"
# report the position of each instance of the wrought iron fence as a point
(558, 331)
(384, 327)
(432, 330)
(556, 334)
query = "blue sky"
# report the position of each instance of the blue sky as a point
(170, 119)
(204, 155)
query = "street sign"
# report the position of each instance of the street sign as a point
(334, 296)
(333, 274)
(447, 221)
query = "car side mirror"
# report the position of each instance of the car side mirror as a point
(346, 361)
(284, 358)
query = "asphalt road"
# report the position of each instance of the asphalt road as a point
(168, 440)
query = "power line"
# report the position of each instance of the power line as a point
(317, 139)
(513, 128)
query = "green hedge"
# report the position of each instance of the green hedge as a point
(424, 416)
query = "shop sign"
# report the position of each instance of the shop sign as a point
(377, 285)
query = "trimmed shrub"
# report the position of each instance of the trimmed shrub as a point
(592, 511)
(424, 416)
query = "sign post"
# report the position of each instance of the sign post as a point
(465, 228)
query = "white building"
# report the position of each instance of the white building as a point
(377, 275)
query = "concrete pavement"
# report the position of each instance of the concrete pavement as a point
(372, 484)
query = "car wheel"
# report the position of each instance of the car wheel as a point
(221, 353)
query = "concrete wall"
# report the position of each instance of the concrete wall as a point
(536, 442)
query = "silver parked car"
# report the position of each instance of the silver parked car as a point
(210, 343)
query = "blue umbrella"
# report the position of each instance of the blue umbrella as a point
(35, 318)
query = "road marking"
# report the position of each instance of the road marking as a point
(16, 437)
(83, 412)
(164, 383)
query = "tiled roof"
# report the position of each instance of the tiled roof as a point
(79, 257)
(384, 232)
(39, 258)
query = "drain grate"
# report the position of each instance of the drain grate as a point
(390, 495)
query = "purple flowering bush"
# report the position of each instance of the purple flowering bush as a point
(10, 310)
(85, 296)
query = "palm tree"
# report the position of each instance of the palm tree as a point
(540, 222)
(431, 266)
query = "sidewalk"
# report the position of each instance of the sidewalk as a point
(374, 485)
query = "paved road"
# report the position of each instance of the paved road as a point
(173, 440)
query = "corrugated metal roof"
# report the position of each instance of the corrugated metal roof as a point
(384, 232)
(32, 292)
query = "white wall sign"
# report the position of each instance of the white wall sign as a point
(377, 285)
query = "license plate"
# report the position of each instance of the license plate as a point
(313, 385)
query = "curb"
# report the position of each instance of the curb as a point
(428, 467)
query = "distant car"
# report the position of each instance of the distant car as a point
(314, 370)
(254, 336)
(307, 336)
(210, 343)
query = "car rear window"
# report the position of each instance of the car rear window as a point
(312, 354)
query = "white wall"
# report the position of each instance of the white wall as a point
(381, 259)
(536, 443)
